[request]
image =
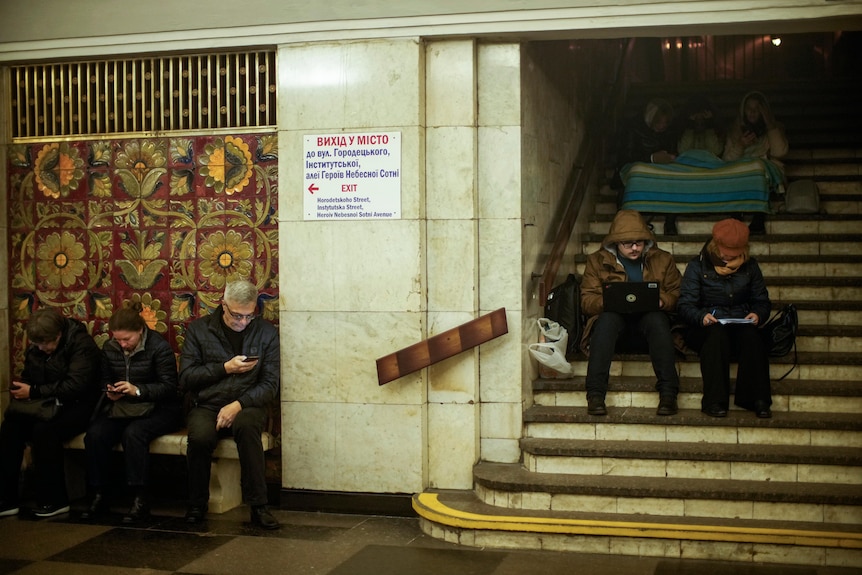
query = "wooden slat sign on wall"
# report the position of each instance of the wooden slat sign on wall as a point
(442, 346)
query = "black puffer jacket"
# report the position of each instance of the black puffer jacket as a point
(153, 369)
(71, 373)
(736, 295)
(205, 351)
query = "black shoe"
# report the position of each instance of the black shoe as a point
(596, 405)
(97, 507)
(8, 509)
(762, 410)
(715, 410)
(670, 226)
(667, 406)
(262, 517)
(51, 509)
(196, 514)
(140, 510)
(758, 224)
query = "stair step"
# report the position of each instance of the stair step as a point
(808, 266)
(789, 463)
(801, 155)
(809, 365)
(674, 497)
(796, 387)
(838, 187)
(814, 170)
(736, 419)
(691, 425)
(617, 397)
(663, 450)
(839, 339)
(533, 521)
(788, 395)
(829, 204)
(776, 224)
(784, 245)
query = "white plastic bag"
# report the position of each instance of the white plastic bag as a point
(550, 352)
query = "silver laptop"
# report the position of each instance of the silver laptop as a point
(630, 297)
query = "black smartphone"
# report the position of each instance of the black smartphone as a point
(251, 358)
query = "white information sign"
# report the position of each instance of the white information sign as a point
(352, 176)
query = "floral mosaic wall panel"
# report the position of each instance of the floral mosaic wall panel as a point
(165, 221)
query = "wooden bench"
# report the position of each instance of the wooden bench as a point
(225, 489)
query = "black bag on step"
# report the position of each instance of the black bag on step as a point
(780, 333)
(564, 307)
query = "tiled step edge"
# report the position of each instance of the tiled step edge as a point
(513, 478)
(840, 388)
(694, 451)
(432, 507)
(802, 358)
(687, 417)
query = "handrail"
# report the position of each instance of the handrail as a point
(605, 114)
(576, 190)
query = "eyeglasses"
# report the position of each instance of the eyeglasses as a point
(630, 245)
(239, 316)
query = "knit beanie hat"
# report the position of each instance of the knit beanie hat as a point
(731, 236)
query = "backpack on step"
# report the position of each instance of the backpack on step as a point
(779, 332)
(564, 307)
(802, 197)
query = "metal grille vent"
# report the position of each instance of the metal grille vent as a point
(148, 95)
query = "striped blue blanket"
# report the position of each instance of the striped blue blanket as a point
(699, 182)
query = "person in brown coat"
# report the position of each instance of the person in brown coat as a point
(629, 253)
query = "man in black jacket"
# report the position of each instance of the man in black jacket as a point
(230, 367)
(61, 363)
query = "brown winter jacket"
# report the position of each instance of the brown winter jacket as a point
(603, 266)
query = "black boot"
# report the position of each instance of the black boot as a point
(670, 225)
(139, 510)
(98, 506)
(757, 226)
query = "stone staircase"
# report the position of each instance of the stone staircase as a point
(786, 490)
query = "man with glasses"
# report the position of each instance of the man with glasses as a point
(629, 253)
(230, 367)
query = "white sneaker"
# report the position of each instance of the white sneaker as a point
(8, 510)
(50, 510)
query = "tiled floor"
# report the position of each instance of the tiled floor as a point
(306, 544)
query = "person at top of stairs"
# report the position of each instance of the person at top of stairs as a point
(650, 138)
(701, 129)
(629, 253)
(723, 299)
(755, 134)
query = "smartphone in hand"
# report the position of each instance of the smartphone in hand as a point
(251, 358)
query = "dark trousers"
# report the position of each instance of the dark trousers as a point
(135, 435)
(650, 330)
(203, 437)
(46, 439)
(718, 345)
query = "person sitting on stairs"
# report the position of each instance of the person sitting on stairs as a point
(702, 129)
(629, 253)
(756, 134)
(725, 283)
(652, 139)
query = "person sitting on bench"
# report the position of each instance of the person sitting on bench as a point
(230, 366)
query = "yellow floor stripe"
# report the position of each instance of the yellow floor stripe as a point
(429, 506)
